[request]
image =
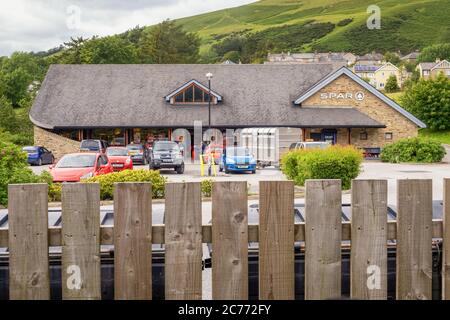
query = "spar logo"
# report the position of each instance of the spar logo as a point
(358, 96)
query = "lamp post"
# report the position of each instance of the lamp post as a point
(209, 76)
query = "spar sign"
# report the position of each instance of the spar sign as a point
(359, 96)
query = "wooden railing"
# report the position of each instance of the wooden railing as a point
(29, 237)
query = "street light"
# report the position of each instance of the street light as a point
(209, 76)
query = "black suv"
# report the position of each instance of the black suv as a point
(166, 154)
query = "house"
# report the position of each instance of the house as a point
(146, 102)
(431, 70)
(337, 58)
(377, 75)
(382, 74)
(411, 57)
(370, 59)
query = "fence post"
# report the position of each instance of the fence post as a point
(183, 239)
(28, 243)
(414, 235)
(230, 241)
(81, 279)
(369, 240)
(133, 241)
(446, 239)
(276, 240)
(323, 233)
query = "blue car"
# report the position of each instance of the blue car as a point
(39, 156)
(237, 159)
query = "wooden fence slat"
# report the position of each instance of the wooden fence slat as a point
(446, 239)
(28, 243)
(230, 241)
(323, 239)
(133, 241)
(369, 240)
(276, 240)
(414, 235)
(183, 237)
(80, 269)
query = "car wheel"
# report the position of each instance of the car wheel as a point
(40, 162)
(226, 170)
(254, 172)
(180, 169)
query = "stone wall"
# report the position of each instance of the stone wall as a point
(396, 123)
(59, 145)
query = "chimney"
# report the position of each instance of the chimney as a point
(438, 60)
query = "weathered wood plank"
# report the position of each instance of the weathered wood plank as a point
(369, 240)
(28, 244)
(276, 240)
(133, 241)
(183, 237)
(414, 235)
(81, 278)
(323, 239)
(230, 241)
(446, 239)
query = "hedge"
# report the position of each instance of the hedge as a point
(335, 162)
(413, 150)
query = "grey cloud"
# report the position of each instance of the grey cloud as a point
(36, 25)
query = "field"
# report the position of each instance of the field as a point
(405, 25)
(441, 136)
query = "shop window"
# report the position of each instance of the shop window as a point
(363, 135)
(388, 136)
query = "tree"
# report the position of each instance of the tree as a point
(429, 100)
(108, 50)
(391, 84)
(73, 53)
(167, 43)
(392, 58)
(7, 115)
(434, 52)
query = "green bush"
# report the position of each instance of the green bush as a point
(413, 150)
(107, 182)
(54, 192)
(335, 162)
(14, 169)
(207, 187)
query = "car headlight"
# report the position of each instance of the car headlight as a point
(230, 161)
(87, 176)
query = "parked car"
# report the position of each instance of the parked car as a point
(138, 153)
(119, 158)
(94, 145)
(237, 159)
(167, 154)
(309, 145)
(77, 166)
(215, 150)
(39, 156)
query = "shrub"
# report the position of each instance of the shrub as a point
(207, 187)
(391, 84)
(335, 162)
(14, 169)
(107, 182)
(54, 192)
(413, 150)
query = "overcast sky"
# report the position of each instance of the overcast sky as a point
(38, 25)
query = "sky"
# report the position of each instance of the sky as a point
(39, 25)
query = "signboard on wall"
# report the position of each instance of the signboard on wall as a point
(358, 96)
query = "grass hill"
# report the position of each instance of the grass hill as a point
(339, 25)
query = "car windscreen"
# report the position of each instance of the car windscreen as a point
(30, 149)
(90, 145)
(165, 147)
(134, 147)
(238, 152)
(77, 161)
(116, 152)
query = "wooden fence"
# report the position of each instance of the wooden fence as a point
(81, 235)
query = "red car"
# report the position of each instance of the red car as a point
(119, 158)
(77, 166)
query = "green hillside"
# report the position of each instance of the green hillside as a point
(405, 25)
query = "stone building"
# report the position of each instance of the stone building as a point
(146, 102)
